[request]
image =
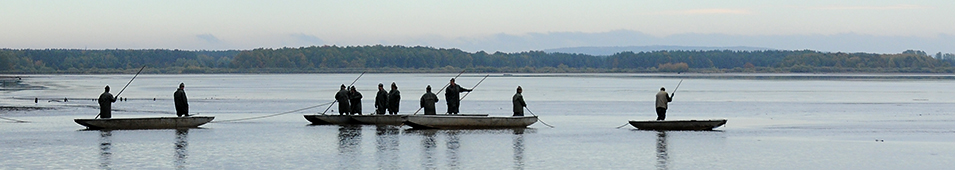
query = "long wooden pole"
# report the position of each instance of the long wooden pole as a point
(475, 86)
(439, 91)
(677, 88)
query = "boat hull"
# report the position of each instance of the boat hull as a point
(367, 119)
(468, 122)
(146, 123)
(678, 124)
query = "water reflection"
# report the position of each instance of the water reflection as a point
(662, 150)
(429, 145)
(105, 147)
(386, 140)
(518, 149)
(349, 146)
(453, 144)
(182, 143)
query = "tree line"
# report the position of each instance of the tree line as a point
(428, 59)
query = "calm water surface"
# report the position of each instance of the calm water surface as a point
(885, 122)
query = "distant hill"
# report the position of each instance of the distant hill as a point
(606, 51)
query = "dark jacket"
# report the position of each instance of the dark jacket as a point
(182, 105)
(381, 101)
(106, 104)
(355, 101)
(394, 97)
(342, 98)
(453, 94)
(519, 104)
(427, 102)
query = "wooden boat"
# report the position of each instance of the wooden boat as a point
(678, 124)
(468, 122)
(146, 123)
(330, 119)
(365, 119)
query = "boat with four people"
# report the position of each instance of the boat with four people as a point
(468, 122)
(368, 119)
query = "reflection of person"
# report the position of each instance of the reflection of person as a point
(355, 98)
(182, 105)
(518, 101)
(381, 100)
(453, 96)
(394, 97)
(428, 100)
(342, 98)
(662, 99)
(106, 101)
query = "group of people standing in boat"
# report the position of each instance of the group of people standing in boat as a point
(349, 100)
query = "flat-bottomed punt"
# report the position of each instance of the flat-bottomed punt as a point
(678, 124)
(146, 123)
(468, 122)
(365, 119)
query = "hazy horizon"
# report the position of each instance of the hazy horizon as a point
(506, 26)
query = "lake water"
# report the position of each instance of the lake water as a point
(800, 121)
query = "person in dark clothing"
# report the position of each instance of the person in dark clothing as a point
(355, 101)
(428, 100)
(182, 105)
(453, 96)
(106, 101)
(394, 97)
(518, 101)
(662, 99)
(381, 100)
(342, 98)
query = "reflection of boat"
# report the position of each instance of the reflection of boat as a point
(145, 123)
(365, 119)
(468, 122)
(678, 124)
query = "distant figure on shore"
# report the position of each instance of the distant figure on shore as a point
(428, 100)
(662, 99)
(106, 101)
(394, 97)
(381, 100)
(182, 105)
(453, 96)
(342, 98)
(518, 101)
(355, 97)
(36, 100)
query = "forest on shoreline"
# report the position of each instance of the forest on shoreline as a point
(417, 59)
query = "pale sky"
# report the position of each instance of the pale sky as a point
(490, 25)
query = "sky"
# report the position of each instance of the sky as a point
(875, 26)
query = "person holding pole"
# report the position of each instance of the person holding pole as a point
(342, 98)
(518, 101)
(428, 100)
(662, 99)
(106, 101)
(182, 105)
(453, 96)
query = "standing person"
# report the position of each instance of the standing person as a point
(394, 97)
(381, 100)
(106, 101)
(662, 99)
(518, 101)
(428, 100)
(355, 101)
(182, 105)
(453, 96)
(342, 98)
